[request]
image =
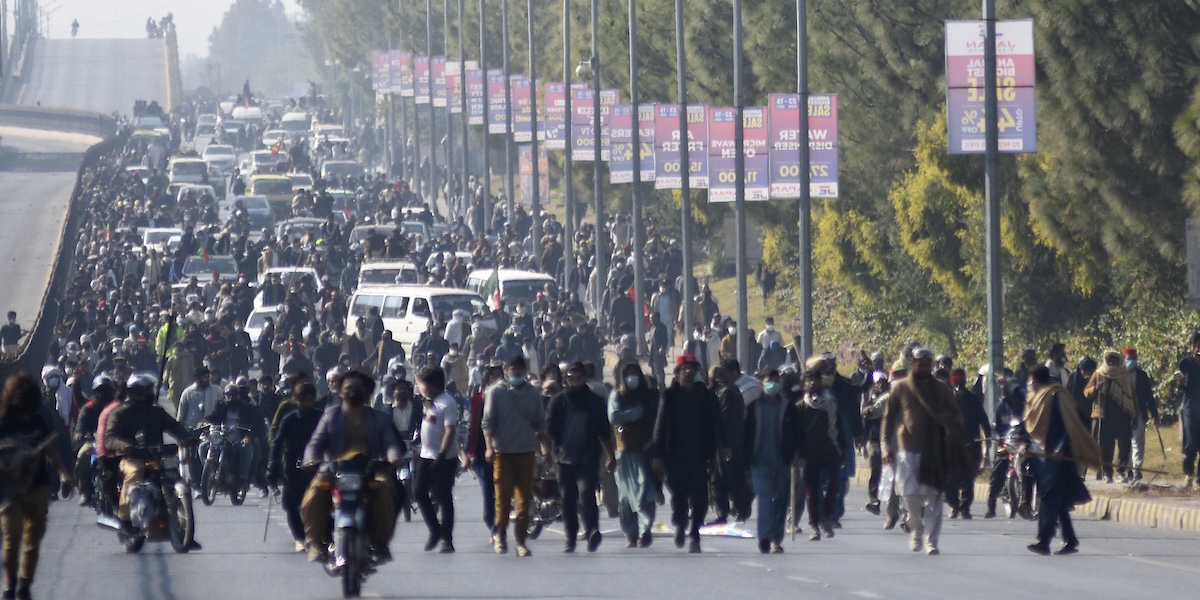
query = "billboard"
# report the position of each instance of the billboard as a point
(476, 106)
(421, 68)
(522, 109)
(608, 99)
(722, 154)
(525, 172)
(620, 131)
(1015, 87)
(783, 122)
(582, 124)
(437, 67)
(401, 73)
(556, 116)
(497, 119)
(454, 87)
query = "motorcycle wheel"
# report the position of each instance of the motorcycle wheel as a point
(239, 494)
(182, 525)
(208, 484)
(535, 531)
(350, 541)
(132, 544)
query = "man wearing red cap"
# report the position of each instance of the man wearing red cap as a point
(686, 438)
(1147, 409)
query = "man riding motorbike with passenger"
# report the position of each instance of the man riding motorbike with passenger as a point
(104, 389)
(348, 429)
(235, 412)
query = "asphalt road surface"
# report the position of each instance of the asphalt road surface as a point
(980, 558)
(37, 174)
(96, 75)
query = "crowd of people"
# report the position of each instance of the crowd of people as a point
(552, 385)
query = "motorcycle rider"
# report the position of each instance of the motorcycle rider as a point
(1011, 409)
(295, 429)
(104, 389)
(139, 423)
(349, 428)
(234, 413)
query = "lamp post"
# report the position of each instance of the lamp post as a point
(465, 201)
(568, 182)
(486, 179)
(535, 204)
(639, 276)
(508, 120)
(739, 211)
(685, 192)
(597, 201)
(806, 285)
(433, 141)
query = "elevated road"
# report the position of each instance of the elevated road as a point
(95, 75)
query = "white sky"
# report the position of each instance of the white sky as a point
(194, 19)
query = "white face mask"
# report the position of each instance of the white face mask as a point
(732, 330)
(770, 328)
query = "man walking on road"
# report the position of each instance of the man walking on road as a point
(1143, 393)
(514, 424)
(923, 438)
(578, 427)
(1061, 444)
(437, 465)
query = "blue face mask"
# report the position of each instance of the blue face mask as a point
(632, 382)
(1130, 363)
(772, 388)
(516, 380)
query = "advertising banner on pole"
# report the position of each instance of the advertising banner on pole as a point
(620, 131)
(783, 116)
(497, 122)
(522, 115)
(697, 118)
(608, 99)
(437, 67)
(556, 115)
(525, 172)
(646, 132)
(421, 69)
(1015, 87)
(454, 87)
(401, 73)
(540, 118)
(666, 147)
(582, 124)
(722, 154)
(380, 69)
(476, 105)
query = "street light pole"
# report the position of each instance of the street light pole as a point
(535, 205)
(685, 191)
(508, 121)
(433, 141)
(806, 284)
(639, 275)
(739, 210)
(448, 147)
(486, 179)
(995, 301)
(568, 182)
(597, 201)
(465, 200)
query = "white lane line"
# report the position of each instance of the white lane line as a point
(866, 594)
(802, 579)
(1158, 563)
(751, 564)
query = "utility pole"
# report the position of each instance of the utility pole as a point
(639, 276)
(568, 182)
(465, 201)
(995, 300)
(685, 191)
(739, 209)
(433, 141)
(806, 284)
(597, 201)
(535, 206)
(508, 120)
(486, 179)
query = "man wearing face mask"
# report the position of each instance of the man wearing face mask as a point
(1143, 391)
(1057, 363)
(1187, 379)
(1113, 410)
(769, 334)
(772, 431)
(729, 485)
(729, 341)
(514, 426)
(923, 438)
(57, 395)
(11, 334)
(236, 413)
(578, 426)
(686, 440)
(975, 422)
(1010, 410)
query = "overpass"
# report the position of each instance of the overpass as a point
(43, 142)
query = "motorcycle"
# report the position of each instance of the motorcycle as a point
(351, 558)
(1018, 487)
(547, 504)
(160, 507)
(219, 474)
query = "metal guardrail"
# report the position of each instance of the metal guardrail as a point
(57, 119)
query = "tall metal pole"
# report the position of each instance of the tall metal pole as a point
(465, 200)
(806, 284)
(639, 276)
(509, 207)
(685, 191)
(448, 147)
(995, 302)
(597, 200)
(433, 141)
(535, 205)
(739, 208)
(568, 182)
(486, 179)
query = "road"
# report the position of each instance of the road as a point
(96, 75)
(979, 557)
(37, 173)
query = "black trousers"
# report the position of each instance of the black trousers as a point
(1055, 509)
(433, 482)
(1115, 431)
(295, 482)
(730, 490)
(577, 485)
(689, 497)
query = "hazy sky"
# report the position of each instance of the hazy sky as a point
(194, 19)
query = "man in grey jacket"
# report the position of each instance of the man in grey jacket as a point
(514, 426)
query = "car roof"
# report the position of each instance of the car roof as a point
(415, 289)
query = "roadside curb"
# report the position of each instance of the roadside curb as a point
(1145, 513)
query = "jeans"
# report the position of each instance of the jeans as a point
(434, 482)
(483, 471)
(513, 475)
(772, 487)
(821, 500)
(245, 458)
(577, 486)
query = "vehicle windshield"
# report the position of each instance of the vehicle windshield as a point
(262, 157)
(343, 170)
(189, 168)
(387, 276)
(219, 152)
(155, 238)
(521, 290)
(469, 303)
(252, 202)
(196, 265)
(272, 186)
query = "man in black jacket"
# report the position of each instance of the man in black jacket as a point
(961, 488)
(824, 450)
(237, 413)
(686, 439)
(578, 426)
(287, 450)
(729, 486)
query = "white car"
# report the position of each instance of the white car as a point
(258, 321)
(221, 156)
(271, 136)
(288, 276)
(301, 181)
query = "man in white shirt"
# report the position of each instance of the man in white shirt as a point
(437, 464)
(769, 334)
(198, 400)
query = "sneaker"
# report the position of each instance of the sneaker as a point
(1039, 548)
(646, 540)
(523, 551)
(816, 535)
(499, 543)
(764, 546)
(694, 547)
(383, 555)
(872, 507)
(1069, 548)
(827, 529)
(299, 546)
(447, 547)
(631, 542)
(776, 548)
(431, 543)
(889, 524)
(593, 540)
(680, 537)
(931, 550)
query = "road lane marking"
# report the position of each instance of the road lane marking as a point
(1158, 563)
(802, 579)
(866, 594)
(752, 564)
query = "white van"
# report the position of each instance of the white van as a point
(407, 309)
(186, 170)
(387, 272)
(515, 286)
